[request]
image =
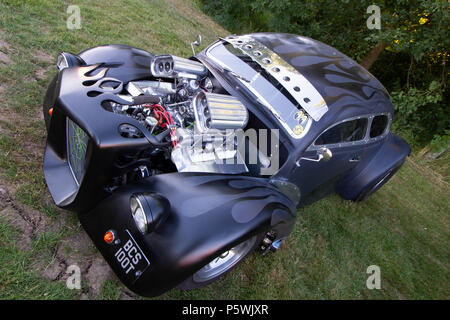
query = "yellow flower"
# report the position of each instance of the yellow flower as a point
(423, 20)
(396, 41)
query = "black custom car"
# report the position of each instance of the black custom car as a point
(178, 168)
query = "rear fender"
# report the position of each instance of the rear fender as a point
(390, 155)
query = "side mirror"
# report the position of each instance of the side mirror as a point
(323, 154)
(197, 43)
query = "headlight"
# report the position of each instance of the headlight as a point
(67, 60)
(149, 211)
(138, 214)
(62, 61)
(77, 142)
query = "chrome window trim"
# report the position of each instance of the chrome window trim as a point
(365, 140)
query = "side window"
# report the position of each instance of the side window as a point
(352, 130)
(379, 124)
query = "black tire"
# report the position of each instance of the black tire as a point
(366, 193)
(193, 283)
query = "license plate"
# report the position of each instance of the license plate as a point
(131, 258)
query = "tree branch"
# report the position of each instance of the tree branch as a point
(372, 56)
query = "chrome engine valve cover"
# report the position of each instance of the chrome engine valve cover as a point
(218, 111)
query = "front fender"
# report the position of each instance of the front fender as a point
(76, 93)
(130, 63)
(209, 214)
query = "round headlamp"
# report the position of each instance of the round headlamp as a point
(67, 60)
(149, 210)
(138, 212)
(62, 61)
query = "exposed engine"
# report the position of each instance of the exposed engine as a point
(181, 109)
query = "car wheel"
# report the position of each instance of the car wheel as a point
(222, 264)
(378, 183)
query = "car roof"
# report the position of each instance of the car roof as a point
(349, 90)
(341, 81)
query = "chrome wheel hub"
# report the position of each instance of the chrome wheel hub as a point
(224, 261)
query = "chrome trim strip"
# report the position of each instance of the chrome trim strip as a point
(291, 79)
(303, 126)
(365, 140)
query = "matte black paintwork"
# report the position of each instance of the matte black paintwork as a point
(132, 63)
(77, 93)
(390, 153)
(208, 213)
(348, 89)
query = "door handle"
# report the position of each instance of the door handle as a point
(323, 154)
(355, 158)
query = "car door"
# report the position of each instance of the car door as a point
(346, 141)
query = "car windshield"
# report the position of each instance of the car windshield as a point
(263, 87)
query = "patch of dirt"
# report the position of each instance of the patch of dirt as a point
(33, 150)
(4, 58)
(41, 73)
(40, 115)
(9, 116)
(84, 296)
(54, 270)
(98, 272)
(76, 249)
(14, 218)
(4, 52)
(44, 57)
(3, 88)
(4, 45)
(128, 295)
(28, 222)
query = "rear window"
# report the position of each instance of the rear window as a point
(352, 130)
(379, 124)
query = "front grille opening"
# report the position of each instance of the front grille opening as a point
(77, 144)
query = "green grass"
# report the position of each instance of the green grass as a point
(403, 228)
(18, 277)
